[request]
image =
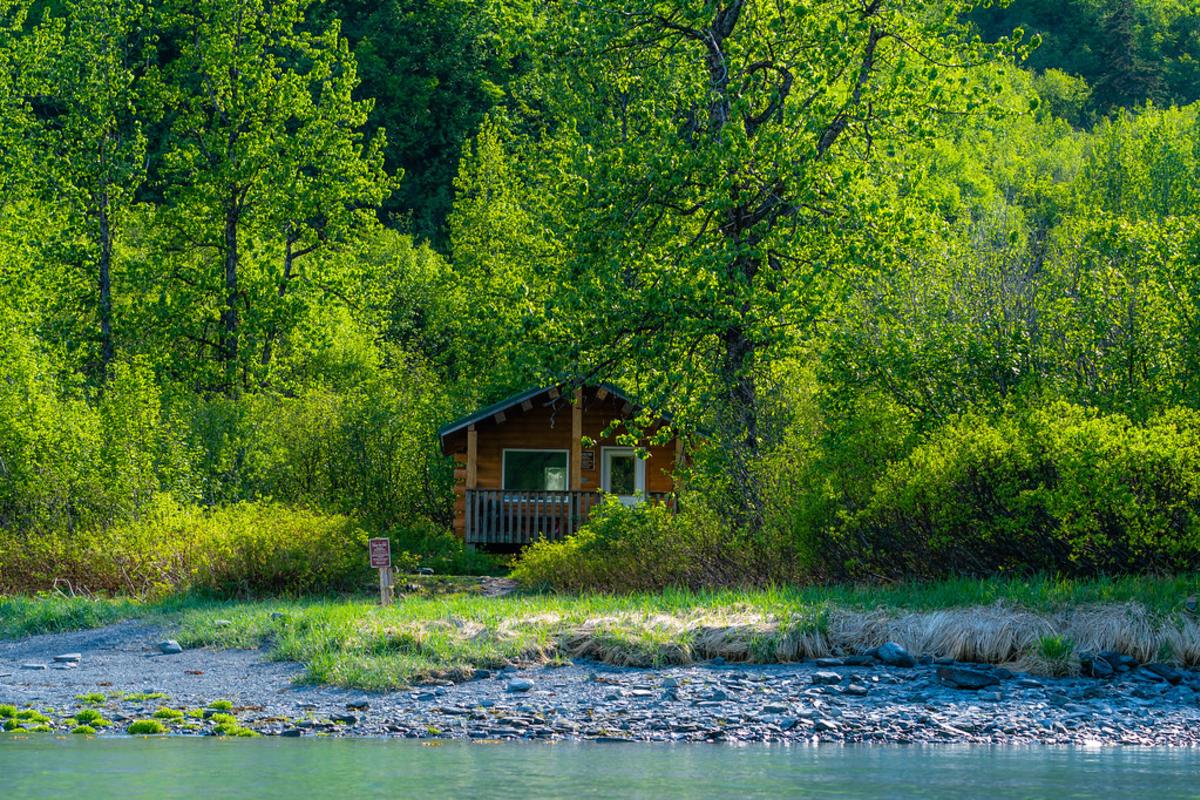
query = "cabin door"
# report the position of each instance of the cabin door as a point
(622, 473)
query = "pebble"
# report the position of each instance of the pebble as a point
(33, 666)
(67, 658)
(169, 647)
(823, 678)
(519, 685)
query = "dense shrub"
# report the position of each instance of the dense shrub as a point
(429, 545)
(241, 550)
(1060, 489)
(647, 548)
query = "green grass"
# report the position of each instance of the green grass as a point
(355, 643)
(91, 698)
(168, 714)
(141, 697)
(90, 716)
(146, 727)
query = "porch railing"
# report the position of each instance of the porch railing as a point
(496, 516)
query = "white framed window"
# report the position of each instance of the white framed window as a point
(622, 473)
(528, 470)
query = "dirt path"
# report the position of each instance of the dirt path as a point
(125, 658)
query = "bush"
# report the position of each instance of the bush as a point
(249, 549)
(1060, 490)
(428, 545)
(648, 548)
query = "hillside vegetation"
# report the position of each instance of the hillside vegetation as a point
(919, 282)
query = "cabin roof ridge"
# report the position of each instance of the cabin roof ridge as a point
(517, 399)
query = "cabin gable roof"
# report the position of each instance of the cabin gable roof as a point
(516, 400)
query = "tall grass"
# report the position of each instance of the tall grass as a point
(1039, 624)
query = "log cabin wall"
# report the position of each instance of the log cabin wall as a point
(546, 423)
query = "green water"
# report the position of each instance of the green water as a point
(268, 768)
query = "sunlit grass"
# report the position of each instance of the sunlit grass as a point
(355, 643)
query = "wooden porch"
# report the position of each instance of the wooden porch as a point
(497, 516)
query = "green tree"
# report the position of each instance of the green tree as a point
(435, 68)
(722, 162)
(265, 148)
(94, 130)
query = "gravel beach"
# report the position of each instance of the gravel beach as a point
(860, 699)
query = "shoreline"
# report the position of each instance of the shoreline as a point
(855, 700)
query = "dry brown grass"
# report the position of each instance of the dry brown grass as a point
(997, 634)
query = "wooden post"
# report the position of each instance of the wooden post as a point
(577, 442)
(385, 586)
(472, 457)
(472, 481)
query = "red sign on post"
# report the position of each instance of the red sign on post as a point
(381, 553)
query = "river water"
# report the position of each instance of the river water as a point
(71, 767)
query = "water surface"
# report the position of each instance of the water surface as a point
(316, 768)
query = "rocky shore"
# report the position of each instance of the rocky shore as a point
(130, 672)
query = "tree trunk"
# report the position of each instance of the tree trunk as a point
(739, 428)
(229, 316)
(105, 281)
(289, 261)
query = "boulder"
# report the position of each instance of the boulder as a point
(964, 678)
(1096, 667)
(894, 655)
(1166, 672)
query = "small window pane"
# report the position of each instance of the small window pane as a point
(621, 474)
(535, 471)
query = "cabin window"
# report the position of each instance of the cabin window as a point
(535, 470)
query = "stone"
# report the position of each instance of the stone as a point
(894, 655)
(169, 647)
(33, 666)
(424, 570)
(823, 678)
(856, 690)
(826, 725)
(277, 615)
(1096, 667)
(519, 685)
(225, 623)
(964, 678)
(1166, 672)
(344, 719)
(361, 704)
(67, 658)
(860, 661)
(670, 683)
(292, 733)
(830, 662)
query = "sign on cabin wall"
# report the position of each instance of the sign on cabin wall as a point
(587, 460)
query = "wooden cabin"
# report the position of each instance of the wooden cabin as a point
(522, 471)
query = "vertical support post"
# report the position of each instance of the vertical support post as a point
(576, 470)
(472, 457)
(576, 442)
